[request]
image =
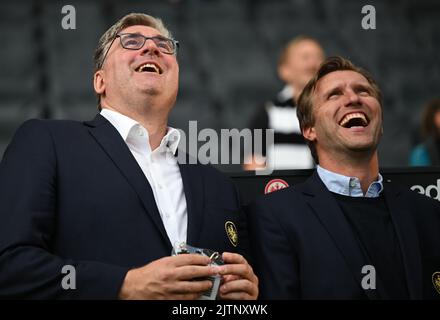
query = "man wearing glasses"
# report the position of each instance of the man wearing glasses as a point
(108, 199)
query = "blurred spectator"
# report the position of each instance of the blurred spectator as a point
(298, 62)
(428, 152)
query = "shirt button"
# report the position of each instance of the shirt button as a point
(352, 183)
(160, 186)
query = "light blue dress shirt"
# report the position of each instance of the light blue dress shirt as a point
(349, 186)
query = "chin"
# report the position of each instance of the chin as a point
(363, 148)
(151, 91)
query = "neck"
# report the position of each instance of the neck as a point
(155, 122)
(365, 168)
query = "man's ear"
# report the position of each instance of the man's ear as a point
(309, 133)
(98, 82)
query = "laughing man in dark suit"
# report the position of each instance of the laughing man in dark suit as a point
(345, 233)
(108, 197)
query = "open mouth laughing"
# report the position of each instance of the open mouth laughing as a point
(149, 67)
(355, 119)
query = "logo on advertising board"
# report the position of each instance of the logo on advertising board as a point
(432, 191)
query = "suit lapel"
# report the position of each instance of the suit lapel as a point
(112, 143)
(332, 218)
(408, 240)
(194, 194)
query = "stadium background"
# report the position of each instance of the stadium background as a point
(228, 56)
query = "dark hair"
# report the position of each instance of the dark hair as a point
(305, 102)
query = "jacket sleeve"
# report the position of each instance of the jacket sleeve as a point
(275, 260)
(28, 215)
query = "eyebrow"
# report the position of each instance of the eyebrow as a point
(140, 34)
(330, 91)
(355, 86)
(363, 86)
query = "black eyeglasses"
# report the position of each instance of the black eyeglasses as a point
(135, 41)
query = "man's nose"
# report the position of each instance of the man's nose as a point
(150, 47)
(352, 97)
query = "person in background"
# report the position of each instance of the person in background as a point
(298, 62)
(428, 152)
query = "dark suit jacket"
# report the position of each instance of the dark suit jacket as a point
(304, 248)
(72, 193)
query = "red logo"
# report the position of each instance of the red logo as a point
(275, 185)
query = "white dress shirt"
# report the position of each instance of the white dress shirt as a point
(161, 169)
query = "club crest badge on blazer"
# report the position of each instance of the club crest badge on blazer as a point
(232, 233)
(275, 185)
(436, 281)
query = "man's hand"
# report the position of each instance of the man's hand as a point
(239, 280)
(169, 278)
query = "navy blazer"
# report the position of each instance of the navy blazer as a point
(72, 193)
(304, 248)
